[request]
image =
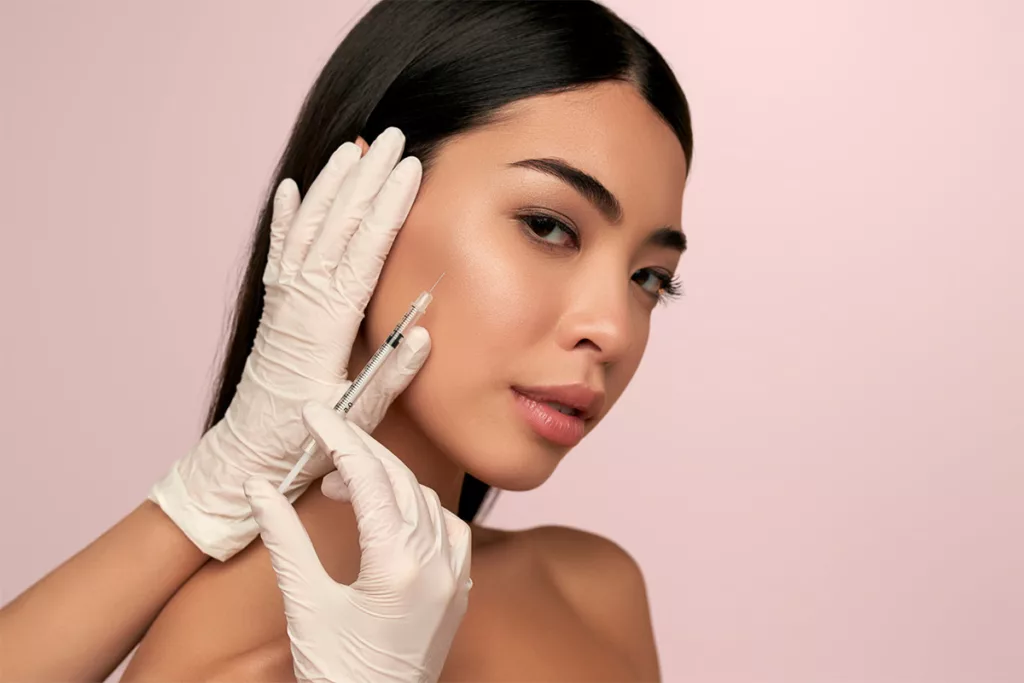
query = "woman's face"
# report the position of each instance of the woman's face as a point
(557, 229)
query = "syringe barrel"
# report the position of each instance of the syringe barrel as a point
(412, 316)
(344, 404)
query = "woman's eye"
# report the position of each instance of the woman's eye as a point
(551, 230)
(660, 285)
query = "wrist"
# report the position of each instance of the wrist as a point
(164, 538)
(218, 527)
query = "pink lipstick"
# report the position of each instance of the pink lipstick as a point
(558, 414)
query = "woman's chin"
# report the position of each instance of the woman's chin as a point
(513, 469)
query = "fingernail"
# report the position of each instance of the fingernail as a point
(389, 134)
(407, 168)
(347, 149)
(333, 486)
(417, 342)
(282, 191)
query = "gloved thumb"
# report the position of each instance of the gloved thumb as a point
(291, 552)
(391, 380)
(409, 358)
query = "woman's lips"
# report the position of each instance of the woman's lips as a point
(549, 423)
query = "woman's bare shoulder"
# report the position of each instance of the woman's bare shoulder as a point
(227, 622)
(605, 586)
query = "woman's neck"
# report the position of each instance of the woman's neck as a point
(400, 434)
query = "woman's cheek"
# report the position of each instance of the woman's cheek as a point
(497, 280)
(476, 324)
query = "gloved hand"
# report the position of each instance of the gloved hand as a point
(396, 622)
(325, 258)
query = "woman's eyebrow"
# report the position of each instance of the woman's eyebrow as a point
(601, 197)
(581, 181)
(669, 238)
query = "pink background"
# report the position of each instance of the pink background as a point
(820, 463)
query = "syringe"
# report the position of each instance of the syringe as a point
(344, 404)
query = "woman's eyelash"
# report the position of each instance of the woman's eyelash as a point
(543, 225)
(672, 289)
(669, 287)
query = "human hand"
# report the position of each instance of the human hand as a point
(324, 260)
(397, 621)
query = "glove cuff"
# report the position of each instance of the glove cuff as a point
(218, 536)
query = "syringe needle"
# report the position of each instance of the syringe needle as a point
(355, 389)
(431, 290)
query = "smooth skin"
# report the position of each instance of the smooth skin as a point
(523, 303)
(82, 619)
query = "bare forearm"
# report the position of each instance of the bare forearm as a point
(83, 618)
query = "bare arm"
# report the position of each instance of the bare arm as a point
(81, 620)
(228, 621)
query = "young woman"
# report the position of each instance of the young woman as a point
(555, 145)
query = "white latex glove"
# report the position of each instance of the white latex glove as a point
(396, 622)
(324, 261)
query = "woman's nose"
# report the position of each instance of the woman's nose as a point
(597, 319)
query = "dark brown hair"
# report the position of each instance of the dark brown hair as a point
(436, 68)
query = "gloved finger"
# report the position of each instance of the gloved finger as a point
(391, 380)
(362, 261)
(286, 203)
(392, 461)
(291, 552)
(375, 501)
(411, 504)
(370, 488)
(354, 199)
(315, 207)
(333, 487)
(460, 538)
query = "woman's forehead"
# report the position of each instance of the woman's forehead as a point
(609, 131)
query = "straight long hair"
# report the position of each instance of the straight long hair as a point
(435, 69)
